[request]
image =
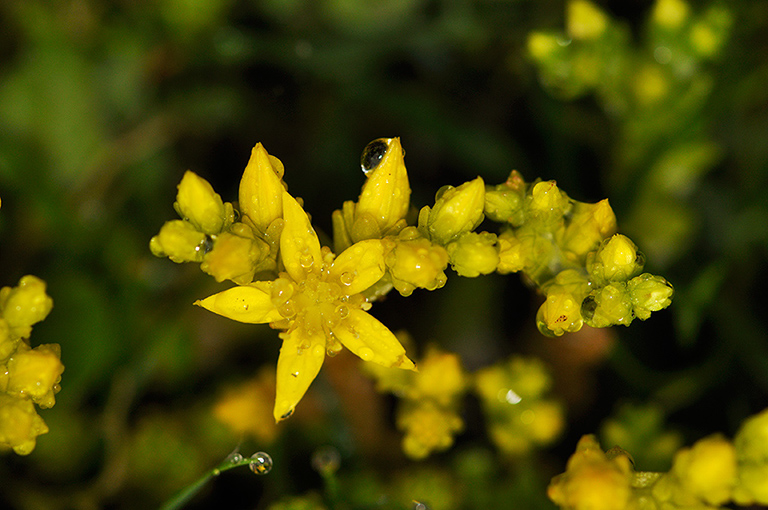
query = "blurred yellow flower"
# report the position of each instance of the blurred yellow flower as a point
(243, 408)
(592, 481)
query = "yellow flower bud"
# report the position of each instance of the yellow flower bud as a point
(35, 373)
(504, 205)
(243, 408)
(608, 306)
(559, 314)
(428, 428)
(588, 226)
(541, 45)
(752, 485)
(617, 259)
(545, 421)
(179, 241)
(707, 470)
(456, 210)
(710, 34)
(19, 424)
(585, 20)
(649, 293)
(234, 257)
(592, 481)
(546, 202)
(751, 444)
(197, 203)
(386, 193)
(651, 84)
(440, 378)
(416, 263)
(261, 189)
(670, 14)
(473, 254)
(8, 341)
(25, 305)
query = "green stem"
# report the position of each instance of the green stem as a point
(182, 497)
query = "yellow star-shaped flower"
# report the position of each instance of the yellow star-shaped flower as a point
(317, 300)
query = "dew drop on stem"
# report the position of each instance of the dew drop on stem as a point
(261, 463)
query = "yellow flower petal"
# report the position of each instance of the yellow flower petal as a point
(245, 303)
(386, 194)
(360, 266)
(261, 191)
(299, 245)
(368, 338)
(301, 357)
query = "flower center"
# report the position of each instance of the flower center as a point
(317, 304)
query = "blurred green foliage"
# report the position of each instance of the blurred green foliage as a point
(104, 105)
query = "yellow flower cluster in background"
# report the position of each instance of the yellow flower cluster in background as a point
(651, 91)
(320, 298)
(28, 376)
(431, 401)
(709, 474)
(519, 412)
(514, 394)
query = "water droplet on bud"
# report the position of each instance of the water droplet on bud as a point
(261, 463)
(235, 458)
(373, 153)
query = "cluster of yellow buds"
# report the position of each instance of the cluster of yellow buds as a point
(429, 411)
(708, 475)
(514, 395)
(518, 410)
(320, 299)
(589, 274)
(28, 376)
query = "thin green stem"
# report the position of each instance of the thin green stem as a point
(182, 497)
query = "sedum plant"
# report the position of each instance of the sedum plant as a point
(319, 298)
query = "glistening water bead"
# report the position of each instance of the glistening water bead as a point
(373, 154)
(261, 463)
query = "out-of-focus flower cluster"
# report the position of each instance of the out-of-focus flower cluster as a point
(28, 376)
(652, 91)
(709, 474)
(514, 395)
(320, 300)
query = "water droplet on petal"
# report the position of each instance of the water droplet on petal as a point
(373, 153)
(326, 460)
(287, 309)
(366, 354)
(261, 463)
(347, 278)
(205, 246)
(306, 261)
(342, 311)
